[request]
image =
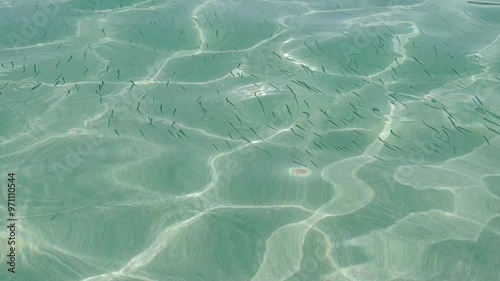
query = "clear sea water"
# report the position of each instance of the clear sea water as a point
(251, 140)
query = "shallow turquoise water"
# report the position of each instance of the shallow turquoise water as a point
(251, 140)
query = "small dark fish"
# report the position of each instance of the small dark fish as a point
(300, 127)
(333, 123)
(317, 45)
(184, 134)
(384, 142)
(325, 113)
(338, 149)
(310, 49)
(239, 120)
(117, 132)
(493, 130)
(398, 148)
(289, 112)
(388, 146)
(291, 129)
(274, 116)
(431, 127)
(355, 113)
(298, 163)
(307, 151)
(260, 102)
(379, 159)
(395, 134)
(478, 101)
(486, 140)
(36, 86)
(246, 139)
(274, 87)
(171, 134)
(483, 3)
(227, 100)
(132, 86)
(253, 131)
(491, 121)
(265, 151)
(215, 147)
(317, 145)
(234, 127)
(307, 104)
(456, 72)
(272, 127)
(417, 61)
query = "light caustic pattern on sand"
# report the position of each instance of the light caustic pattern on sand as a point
(257, 140)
